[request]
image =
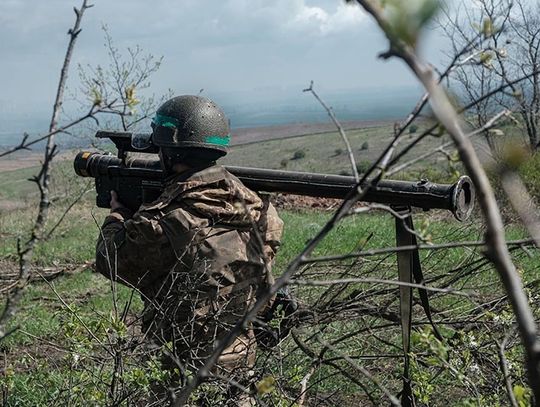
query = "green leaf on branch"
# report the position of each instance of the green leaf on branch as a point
(487, 28)
(97, 99)
(131, 99)
(486, 57)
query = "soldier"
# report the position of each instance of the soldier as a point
(199, 254)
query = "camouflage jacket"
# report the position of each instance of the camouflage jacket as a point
(198, 254)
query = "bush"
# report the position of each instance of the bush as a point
(365, 146)
(413, 129)
(284, 163)
(298, 155)
(338, 151)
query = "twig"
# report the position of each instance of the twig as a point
(339, 127)
(470, 105)
(389, 250)
(363, 371)
(4, 335)
(72, 312)
(42, 180)
(322, 283)
(506, 373)
(25, 144)
(70, 206)
(330, 362)
(304, 384)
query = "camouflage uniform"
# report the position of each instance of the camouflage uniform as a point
(199, 255)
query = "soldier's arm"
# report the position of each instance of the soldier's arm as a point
(111, 238)
(129, 249)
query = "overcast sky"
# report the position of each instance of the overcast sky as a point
(218, 45)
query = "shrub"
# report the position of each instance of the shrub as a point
(413, 129)
(338, 151)
(284, 163)
(298, 155)
(365, 146)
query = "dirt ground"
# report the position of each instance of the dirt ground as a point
(296, 202)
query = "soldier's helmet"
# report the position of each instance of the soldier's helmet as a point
(192, 123)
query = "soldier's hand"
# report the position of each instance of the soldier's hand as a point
(115, 203)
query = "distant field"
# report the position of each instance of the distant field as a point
(258, 134)
(322, 152)
(241, 136)
(326, 153)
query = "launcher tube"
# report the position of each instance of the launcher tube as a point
(457, 198)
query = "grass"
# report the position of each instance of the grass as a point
(530, 172)
(44, 320)
(15, 184)
(73, 241)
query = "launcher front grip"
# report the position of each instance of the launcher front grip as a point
(147, 175)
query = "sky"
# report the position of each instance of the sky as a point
(218, 45)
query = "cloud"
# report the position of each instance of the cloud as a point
(344, 18)
(212, 44)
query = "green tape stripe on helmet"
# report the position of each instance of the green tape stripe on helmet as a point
(218, 140)
(166, 121)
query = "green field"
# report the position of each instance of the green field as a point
(326, 153)
(50, 335)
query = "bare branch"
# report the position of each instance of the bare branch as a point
(77, 199)
(506, 373)
(322, 283)
(344, 137)
(42, 181)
